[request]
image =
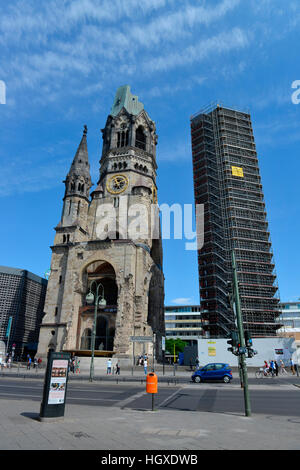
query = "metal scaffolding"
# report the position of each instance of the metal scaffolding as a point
(228, 183)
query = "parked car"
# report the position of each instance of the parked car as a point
(214, 371)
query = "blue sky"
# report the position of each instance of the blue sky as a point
(62, 61)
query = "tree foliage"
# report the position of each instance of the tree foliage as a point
(179, 345)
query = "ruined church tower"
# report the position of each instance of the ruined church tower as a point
(110, 237)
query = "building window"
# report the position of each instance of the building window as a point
(123, 138)
(140, 138)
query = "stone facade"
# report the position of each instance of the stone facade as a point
(101, 238)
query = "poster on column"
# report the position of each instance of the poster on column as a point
(58, 382)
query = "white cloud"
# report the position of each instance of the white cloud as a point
(223, 42)
(183, 301)
(62, 40)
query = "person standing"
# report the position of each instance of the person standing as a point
(117, 369)
(276, 368)
(197, 363)
(28, 362)
(292, 366)
(77, 366)
(272, 366)
(145, 366)
(108, 365)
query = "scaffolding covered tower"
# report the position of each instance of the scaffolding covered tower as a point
(228, 183)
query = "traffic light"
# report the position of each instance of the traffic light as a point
(234, 343)
(249, 343)
(248, 339)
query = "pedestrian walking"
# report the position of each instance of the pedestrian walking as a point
(28, 362)
(272, 368)
(292, 366)
(117, 369)
(282, 368)
(197, 363)
(108, 365)
(276, 368)
(39, 362)
(35, 363)
(77, 367)
(9, 362)
(145, 365)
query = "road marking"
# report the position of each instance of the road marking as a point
(126, 401)
(69, 388)
(169, 398)
(18, 395)
(68, 398)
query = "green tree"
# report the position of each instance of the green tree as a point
(179, 345)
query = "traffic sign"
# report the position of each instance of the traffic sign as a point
(141, 339)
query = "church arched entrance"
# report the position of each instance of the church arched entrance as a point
(105, 332)
(99, 277)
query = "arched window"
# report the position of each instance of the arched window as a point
(123, 138)
(140, 138)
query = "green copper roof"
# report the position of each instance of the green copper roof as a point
(125, 99)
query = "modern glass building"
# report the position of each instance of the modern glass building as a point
(22, 298)
(290, 317)
(228, 183)
(184, 322)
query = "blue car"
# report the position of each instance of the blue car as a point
(215, 371)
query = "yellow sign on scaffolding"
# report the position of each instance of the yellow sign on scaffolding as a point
(237, 171)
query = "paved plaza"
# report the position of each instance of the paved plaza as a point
(119, 427)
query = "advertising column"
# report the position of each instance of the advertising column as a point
(55, 386)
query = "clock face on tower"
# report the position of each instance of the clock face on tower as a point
(117, 184)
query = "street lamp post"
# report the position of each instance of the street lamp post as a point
(99, 300)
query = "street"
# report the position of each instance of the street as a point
(268, 396)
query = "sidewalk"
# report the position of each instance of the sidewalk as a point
(114, 428)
